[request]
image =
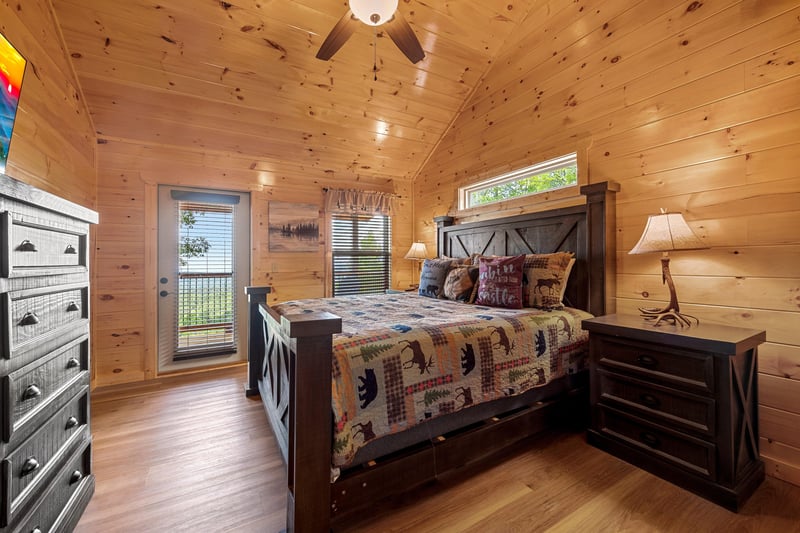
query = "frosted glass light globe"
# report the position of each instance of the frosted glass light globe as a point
(373, 12)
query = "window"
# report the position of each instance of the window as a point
(362, 257)
(549, 175)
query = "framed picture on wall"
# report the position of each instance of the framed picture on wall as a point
(293, 227)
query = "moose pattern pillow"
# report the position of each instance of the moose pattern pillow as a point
(545, 279)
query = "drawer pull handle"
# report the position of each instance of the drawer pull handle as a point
(71, 422)
(75, 477)
(30, 465)
(73, 307)
(31, 392)
(29, 319)
(27, 246)
(649, 400)
(36, 530)
(70, 250)
(647, 361)
(650, 439)
(73, 362)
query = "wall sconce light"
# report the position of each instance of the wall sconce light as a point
(667, 232)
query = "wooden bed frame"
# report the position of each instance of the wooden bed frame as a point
(290, 364)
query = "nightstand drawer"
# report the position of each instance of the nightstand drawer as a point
(683, 369)
(684, 451)
(693, 412)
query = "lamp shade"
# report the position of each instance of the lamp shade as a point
(373, 12)
(418, 252)
(666, 232)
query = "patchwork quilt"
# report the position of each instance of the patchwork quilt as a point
(405, 358)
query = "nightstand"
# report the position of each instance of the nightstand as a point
(681, 403)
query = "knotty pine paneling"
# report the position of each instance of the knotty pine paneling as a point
(124, 304)
(690, 106)
(53, 144)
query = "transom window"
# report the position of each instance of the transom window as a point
(546, 176)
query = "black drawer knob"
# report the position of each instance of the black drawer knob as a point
(70, 250)
(649, 400)
(647, 361)
(31, 392)
(27, 246)
(73, 307)
(71, 423)
(29, 466)
(29, 319)
(73, 362)
(75, 477)
(651, 440)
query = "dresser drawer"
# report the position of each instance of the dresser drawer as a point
(33, 387)
(35, 315)
(35, 248)
(44, 452)
(691, 411)
(60, 502)
(686, 452)
(680, 368)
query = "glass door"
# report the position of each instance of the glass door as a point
(203, 265)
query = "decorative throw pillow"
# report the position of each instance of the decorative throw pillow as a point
(500, 281)
(546, 278)
(460, 283)
(431, 279)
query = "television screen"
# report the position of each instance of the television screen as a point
(12, 69)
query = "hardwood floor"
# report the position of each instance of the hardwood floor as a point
(194, 454)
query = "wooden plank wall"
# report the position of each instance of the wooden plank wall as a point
(693, 106)
(53, 144)
(125, 288)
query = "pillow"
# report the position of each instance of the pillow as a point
(500, 281)
(546, 278)
(432, 276)
(460, 283)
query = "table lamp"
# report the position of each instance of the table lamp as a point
(664, 233)
(419, 253)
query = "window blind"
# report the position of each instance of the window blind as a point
(362, 259)
(206, 296)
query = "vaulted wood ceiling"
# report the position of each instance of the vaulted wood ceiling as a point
(240, 77)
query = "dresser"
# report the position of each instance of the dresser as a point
(681, 403)
(46, 469)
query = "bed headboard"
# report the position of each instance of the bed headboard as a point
(587, 230)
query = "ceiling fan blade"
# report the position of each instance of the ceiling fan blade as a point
(338, 35)
(404, 37)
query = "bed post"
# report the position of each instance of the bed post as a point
(601, 219)
(308, 506)
(255, 339)
(442, 222)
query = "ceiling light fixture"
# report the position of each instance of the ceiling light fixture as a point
(373, 12)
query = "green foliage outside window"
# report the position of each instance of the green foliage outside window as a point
(190, 246)
(546, 181)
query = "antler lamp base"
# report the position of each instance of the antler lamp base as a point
(671, 313)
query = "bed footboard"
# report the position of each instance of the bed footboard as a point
(290, 366)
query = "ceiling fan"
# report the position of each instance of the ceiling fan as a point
(373, 13)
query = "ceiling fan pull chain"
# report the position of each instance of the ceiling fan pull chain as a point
(375, 57)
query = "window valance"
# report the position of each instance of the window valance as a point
(356, 201)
